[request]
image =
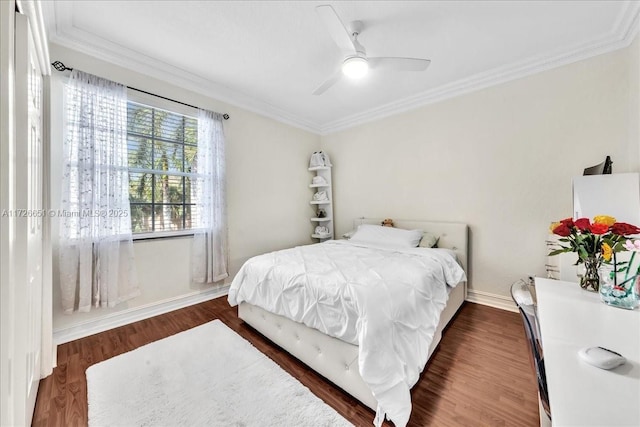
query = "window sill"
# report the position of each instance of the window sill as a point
(162, 235)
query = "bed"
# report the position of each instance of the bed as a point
(337, 355)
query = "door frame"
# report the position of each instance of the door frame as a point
(7, 201)
(12, 404)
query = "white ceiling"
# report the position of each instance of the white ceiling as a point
(268, 57)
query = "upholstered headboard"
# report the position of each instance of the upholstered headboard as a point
(453, 235)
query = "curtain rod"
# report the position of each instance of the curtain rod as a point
(61, 67)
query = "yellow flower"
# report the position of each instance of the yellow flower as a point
(604, 219)
(553, 226)
(606, 252)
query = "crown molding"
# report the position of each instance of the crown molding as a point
(61, 31)
(622, 35)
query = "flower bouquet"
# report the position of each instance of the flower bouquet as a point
(595, 243)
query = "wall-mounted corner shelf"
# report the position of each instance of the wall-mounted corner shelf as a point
(322, 236)
(323, 208)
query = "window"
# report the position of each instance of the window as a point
(162, 153)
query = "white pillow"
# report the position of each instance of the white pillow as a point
(429, 240)
(388, 236)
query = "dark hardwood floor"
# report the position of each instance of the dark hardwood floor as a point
(480, 374)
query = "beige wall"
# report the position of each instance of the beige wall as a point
(500, 159)
(267, 181)
(634, 96)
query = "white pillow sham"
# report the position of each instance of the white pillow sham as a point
(387, 236)
(429, 240)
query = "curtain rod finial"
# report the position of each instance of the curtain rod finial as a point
(225, 116)
(60, 66)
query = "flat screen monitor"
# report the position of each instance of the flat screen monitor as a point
(603, 168)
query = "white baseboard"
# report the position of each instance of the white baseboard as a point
(115, 320)
(492, 300)
(61, 336)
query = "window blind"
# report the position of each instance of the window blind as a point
(162, 155)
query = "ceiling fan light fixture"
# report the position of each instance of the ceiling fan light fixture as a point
(355, 67)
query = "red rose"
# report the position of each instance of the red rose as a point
(599, 228)
(562, 230)
(582, 224)
(624, 229)
(568, 222)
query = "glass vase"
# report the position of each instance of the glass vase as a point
(591, 279)
(619, 289)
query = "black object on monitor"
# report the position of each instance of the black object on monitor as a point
(604, 168)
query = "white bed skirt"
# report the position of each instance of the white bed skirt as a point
(332, 358)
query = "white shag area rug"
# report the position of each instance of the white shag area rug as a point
(206, 376)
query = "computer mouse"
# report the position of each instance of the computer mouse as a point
(601, 357)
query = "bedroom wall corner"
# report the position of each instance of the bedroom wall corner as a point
(634, 101)
(267, 187)
(500, 159)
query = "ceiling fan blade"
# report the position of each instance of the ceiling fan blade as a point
(336, 28)
(399, 64)
(328, 83)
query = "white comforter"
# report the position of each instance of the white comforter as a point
(387, 301)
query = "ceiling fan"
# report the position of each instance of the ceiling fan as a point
(356, 63)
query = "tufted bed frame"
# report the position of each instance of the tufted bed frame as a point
(337, 360)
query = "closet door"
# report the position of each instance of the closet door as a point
(29, 218)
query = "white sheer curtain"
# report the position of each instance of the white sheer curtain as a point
(96, 247)
(209, 260)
